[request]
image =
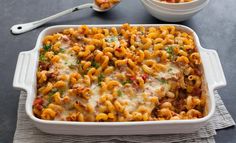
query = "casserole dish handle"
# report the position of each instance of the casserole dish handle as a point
(23, 78)
(214, 69)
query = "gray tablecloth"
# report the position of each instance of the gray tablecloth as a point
(27, 132)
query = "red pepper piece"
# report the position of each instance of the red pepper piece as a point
(118, 50)
(38, 101)
(145, 76)
(133, 78)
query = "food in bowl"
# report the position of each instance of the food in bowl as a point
(131, 73)
(106, 4)
(173, 12)
(176, 1)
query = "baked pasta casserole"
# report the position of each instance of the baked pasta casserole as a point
(106, 4)
(117, 74)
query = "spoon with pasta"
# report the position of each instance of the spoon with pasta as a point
(97, 5)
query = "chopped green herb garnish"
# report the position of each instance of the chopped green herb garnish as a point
(87, 69)
(111, 63)
(71, 66)
(50, 97)
(95, 64)
(169, 50)
(62, 50)
(54, 90)
(111, 39)
(42, 57)
(101, 77)
(163, 81)
(46, 47)
(51, 93)
(126, 82)
(170, 69)
(83, 74)
(80, 70)
(119, 92)
(45, 106)
(61, 91)
(99, 84)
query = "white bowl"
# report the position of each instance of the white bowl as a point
(179, 6)
(170, 16)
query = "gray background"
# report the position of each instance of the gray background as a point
(215, 25)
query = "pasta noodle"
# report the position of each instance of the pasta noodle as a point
(119, 74)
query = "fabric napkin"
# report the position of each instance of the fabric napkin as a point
(27, 132)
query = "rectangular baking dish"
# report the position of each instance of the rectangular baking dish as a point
(25, 78)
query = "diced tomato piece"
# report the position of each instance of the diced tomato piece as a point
(39, 107)
(145, 76)
(118, 50)
(38, 101)
(133, 78)
(197, 92)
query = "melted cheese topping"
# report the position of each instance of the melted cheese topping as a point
(121, 76)
(93, 100)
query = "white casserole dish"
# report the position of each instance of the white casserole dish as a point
(25, 78)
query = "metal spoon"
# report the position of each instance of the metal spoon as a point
(22, 28)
